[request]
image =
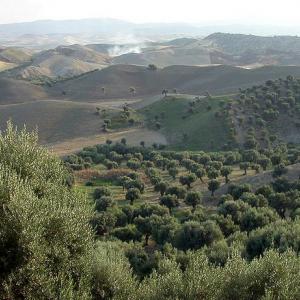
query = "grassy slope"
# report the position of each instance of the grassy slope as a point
(202, 127)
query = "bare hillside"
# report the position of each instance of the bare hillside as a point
(63, 61)
(115, 81)
(15, 55)
(17, 91)
(55, 120)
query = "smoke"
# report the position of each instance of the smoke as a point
(120, 50)
(125, 43)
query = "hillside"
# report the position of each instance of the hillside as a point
(189, 124)
(257, 117)
(117, 80)
(6, 66)
(240, 43)
(219, 48)
(63, 61)
(254, 50)
(186, 123)
(176, 52)
(268, 113)
(55, 120)
(15, 55)
(17, 91)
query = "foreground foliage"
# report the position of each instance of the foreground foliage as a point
(45, 240)
(246, 248)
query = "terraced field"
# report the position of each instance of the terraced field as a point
(98, 175)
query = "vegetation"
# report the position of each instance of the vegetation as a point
(116, 221)
(171, 232)
(189, 124)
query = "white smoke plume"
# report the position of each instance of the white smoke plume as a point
(124, 44)
(120, 50)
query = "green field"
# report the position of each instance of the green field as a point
(200, 130)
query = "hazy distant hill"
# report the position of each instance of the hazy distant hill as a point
(240, 43)
(176, 52)
(118, 26)
(15, 55)
(219, 48)
(63, 61)
(66, 26)
(251, 49)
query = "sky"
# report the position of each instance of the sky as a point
(264, 12)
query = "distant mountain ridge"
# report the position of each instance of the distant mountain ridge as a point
(113, 26)
(95, 26)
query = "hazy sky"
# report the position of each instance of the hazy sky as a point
(271, 12)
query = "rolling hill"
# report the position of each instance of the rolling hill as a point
(256, 50)
(240, 43)
(67, 109)
(188, 124)
(15, 55)
(218, 48)
(182, 51)
(268, 113)
(18, 91)
(117, 80)
(56, 120)
(63, 61)
(6, 66)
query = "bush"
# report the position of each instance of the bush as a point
(103, 203)
(100, 192)
(128, 233)
(194, 235)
